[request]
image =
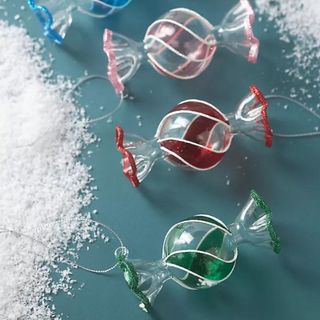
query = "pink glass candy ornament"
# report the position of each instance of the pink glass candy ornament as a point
(195, 135)
(181, 44)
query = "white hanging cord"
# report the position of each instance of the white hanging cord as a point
(93, 77)
(66, 260)
(297, 103)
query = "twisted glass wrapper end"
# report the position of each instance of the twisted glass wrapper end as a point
(138, 155)
(145, 279)
(124, 58)
(254, 225)
(55, 16)
(251, 118)
(236, 34)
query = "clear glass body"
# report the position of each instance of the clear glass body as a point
(194, 135)
(182, 43)
(56, 16)
(201, 251)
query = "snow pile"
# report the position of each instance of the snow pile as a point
(298, 23)
(44, 186)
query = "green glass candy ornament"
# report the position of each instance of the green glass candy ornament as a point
(199, 252)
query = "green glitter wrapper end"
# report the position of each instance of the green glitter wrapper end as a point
(132, 280)
(275, 239)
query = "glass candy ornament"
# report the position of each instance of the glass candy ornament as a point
(55, 16)
(194, 135)
(181, 44)
(200, 252)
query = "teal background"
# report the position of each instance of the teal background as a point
(263, 285)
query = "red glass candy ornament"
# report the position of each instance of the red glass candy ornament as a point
(194, 135)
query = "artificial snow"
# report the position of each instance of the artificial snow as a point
(298, 23)
(44, 186)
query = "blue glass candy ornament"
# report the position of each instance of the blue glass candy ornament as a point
(56, 16)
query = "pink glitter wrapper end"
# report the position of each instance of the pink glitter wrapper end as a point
(252, 40)
(246, 4)
(112, 65)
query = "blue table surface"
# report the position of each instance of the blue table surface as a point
(264, 285)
